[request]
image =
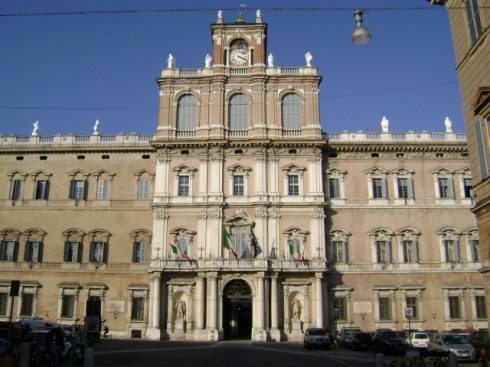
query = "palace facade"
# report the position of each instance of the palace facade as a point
(239, 217)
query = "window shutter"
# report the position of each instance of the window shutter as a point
(481, 149)
(390, 257)
(91, 256)
(450, 186)
(80, 252)
(410, 188)
(345, 252)
(106, 252)
(46, 190)
(71, 194)
(65, 252)
(16, 251)
(85, 190)
(40, 252)
(384, 188)
(2, 250)
(456, 251)
(416, 251)
(135, 248)
(27, 251)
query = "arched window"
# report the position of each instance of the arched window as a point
(238, 112)
(187, 113)
(291, 111)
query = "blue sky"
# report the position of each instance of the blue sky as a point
(69, 70)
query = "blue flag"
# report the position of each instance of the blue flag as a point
(255, 246)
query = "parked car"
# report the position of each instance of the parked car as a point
(418, 339)
(389, 342)
(453, 342)
(316, 337)
(361, 340)
(345, 335)
(480, 340)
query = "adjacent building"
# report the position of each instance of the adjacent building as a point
(470, 26)
(239, 217)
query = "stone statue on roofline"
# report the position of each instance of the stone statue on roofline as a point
(96, 127)
(170, 62)
(35, 130)
(385, 125)
(308, 58)
(449, 125)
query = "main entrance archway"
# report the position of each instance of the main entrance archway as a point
(237, 310)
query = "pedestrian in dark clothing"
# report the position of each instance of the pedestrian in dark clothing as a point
(55, 341)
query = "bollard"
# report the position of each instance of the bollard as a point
(88, 357)
(25, 355)
(379, 360)
(453, 360)
(483, 361)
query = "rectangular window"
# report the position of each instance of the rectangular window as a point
(139, 252)
(42, 189)
(239, 241)
(138, 308)
(445, 188)
(412, 303)
(27, 305)
(143, 189)
(33, 251)
(334, 188)
(293, 185)
(4, 304)
(481, 308)
(410, 253)
(385, 308)
(403, 188)
(473, 16)
(183, 185)
(475, 250)
(68, 306)
(8, 251)
(452, 251)
(15, 189)
(238, 185)
(339, 252)
(454, 308)
(379, 189)
(78, 189)
(73, 252)
(340, 308)
(383, 254)
(102, 189)
(467, 187)
(97, 252)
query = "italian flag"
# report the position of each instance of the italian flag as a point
(296, 255)
(227, 243)
(181, 253)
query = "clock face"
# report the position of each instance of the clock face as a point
(239, 53)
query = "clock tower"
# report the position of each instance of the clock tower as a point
(239, 44)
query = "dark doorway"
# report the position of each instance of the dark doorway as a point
(237, 310)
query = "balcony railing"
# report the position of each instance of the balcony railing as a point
(366, 136)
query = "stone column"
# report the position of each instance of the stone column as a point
(259, 304)
(200, 302)
(275, 332)
(287, 317)
(212, 302)
(318, 300)
(156, 296)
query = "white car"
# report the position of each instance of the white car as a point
(418, 339)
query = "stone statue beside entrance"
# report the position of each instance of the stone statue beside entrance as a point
(296, 309)
(181, 309)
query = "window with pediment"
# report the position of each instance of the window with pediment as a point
(9, 244)
(99, 246)
(144, 182)
(296, 243)
(73, 248)
(238, 180)
(103, 183)
(450, 245)
(403, 183)
(41, 185)
(17, 181)
(184, 180)
(381, 246)
(34, 245)
(335, 183)
(473, 245)
(377, 183)
(239, 240)
(293, 180)
(444, 184)
(181, 247)
(141, 245)
(408, 242)
(339, 246)
(79, 185)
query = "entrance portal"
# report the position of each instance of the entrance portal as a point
(237, 310)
